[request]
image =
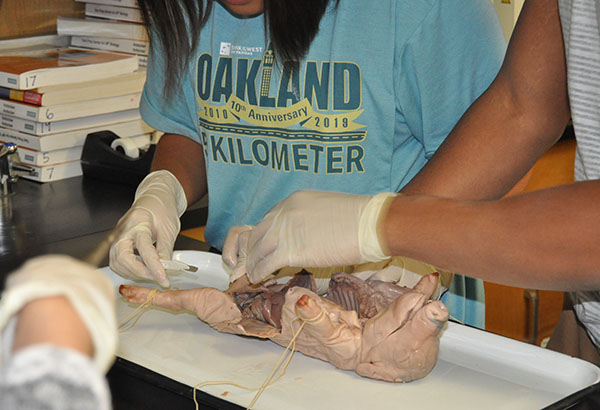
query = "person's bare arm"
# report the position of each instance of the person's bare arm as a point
(545, 239)
(184, 158)
(52, 320)
(513, 123)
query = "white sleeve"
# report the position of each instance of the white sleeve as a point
(52, 378)
(587, 306)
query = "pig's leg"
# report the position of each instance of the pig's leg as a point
(209, 304)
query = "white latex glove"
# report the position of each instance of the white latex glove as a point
(89, 291)
(153, 218)
(308, 229)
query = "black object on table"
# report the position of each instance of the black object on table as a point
(99, 160)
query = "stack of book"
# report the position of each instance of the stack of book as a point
(52, 97)
(110, 25)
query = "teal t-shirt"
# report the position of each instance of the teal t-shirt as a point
(382, 85)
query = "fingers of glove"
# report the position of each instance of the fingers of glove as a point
(268, 245)
(240, 267)
(264, 267)
(231, 247)
(165, 242)
(124, 262)
(150, 257)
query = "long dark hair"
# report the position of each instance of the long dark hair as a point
(176, 24)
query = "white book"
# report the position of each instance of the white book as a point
(124, 3)
(113, 12)
(38, 68)
(122, 45)
(80, 91)
(44, 158)
(71, 138)
(68, 111)
(46, 128)
(47, 42)
(71, 26)
(55, 172)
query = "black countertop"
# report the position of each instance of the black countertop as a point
(53, 218)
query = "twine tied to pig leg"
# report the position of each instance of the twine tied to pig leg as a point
(272, 377)
(138, 312)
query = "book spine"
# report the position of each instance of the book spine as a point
(24, 111)
(123, 3)
(55, 172)
(47, 128)
(20, 138)
(44, 158)
(121, 45)
(79, 27)
(113, 12)
(30, 127)
(30, 97)
(71, 110)
(10, 80)
(70, 139)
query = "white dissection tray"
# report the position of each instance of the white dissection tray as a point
(476, 369)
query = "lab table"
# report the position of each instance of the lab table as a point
(73, 216)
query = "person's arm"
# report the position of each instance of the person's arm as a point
(52, 320)
(545, 239)
(184, 158)
(513, 123)
(58, 336)
(151, 225)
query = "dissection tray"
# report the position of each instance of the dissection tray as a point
(476, 369)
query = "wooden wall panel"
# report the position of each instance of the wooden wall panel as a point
(23, 18)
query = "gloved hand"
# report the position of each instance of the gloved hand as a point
(90, 293)
(154, 217)
(400, 343)
(308, 229)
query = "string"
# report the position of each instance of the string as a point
(457, 320)
(272, 377)
(138, 312)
